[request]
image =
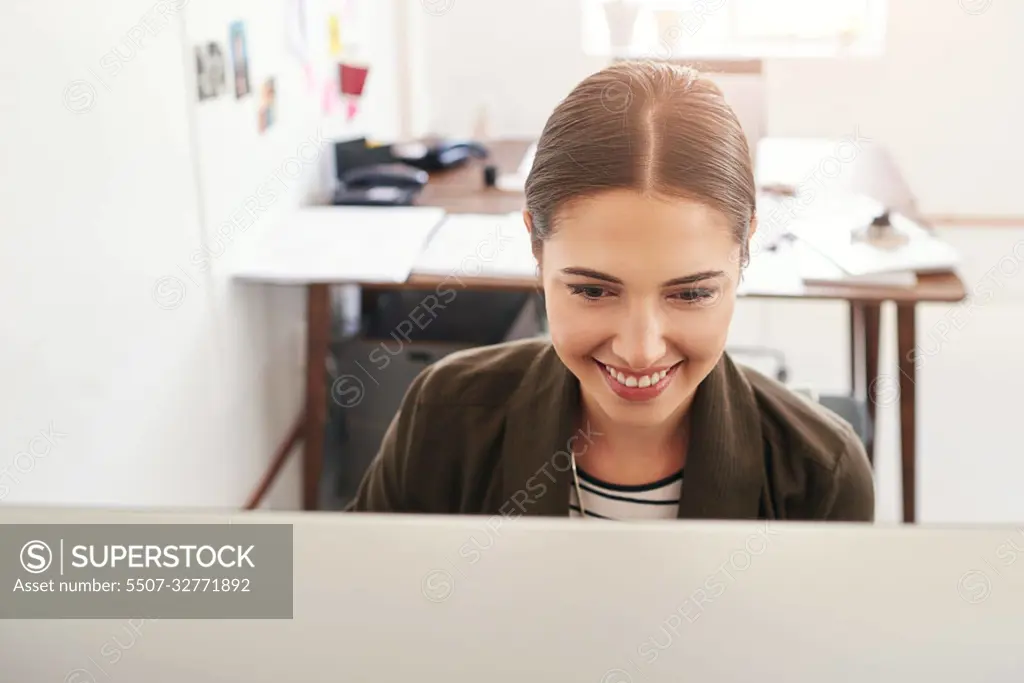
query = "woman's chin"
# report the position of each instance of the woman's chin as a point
(633, 413)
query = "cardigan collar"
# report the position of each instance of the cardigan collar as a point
(725, 472)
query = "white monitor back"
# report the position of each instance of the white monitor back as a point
(468, 599)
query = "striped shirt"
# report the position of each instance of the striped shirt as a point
(657, 500)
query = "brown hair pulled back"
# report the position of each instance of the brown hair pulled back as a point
(654, 127)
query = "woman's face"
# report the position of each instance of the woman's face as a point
(640, 293)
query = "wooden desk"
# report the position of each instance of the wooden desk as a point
(463, 191)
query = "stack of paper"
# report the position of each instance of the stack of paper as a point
(479, 245)
(817, 268)
(338, 244)
(921, 253)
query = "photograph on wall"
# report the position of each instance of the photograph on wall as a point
(240, 59)
(352, 79)
(268, 105)
(211, 71)
(334, 35)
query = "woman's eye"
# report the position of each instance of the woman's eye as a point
(591, 292)
(694, 295)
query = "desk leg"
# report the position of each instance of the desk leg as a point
(906, 341)
(318, 324)
(865, 322)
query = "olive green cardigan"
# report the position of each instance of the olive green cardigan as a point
(488, 431)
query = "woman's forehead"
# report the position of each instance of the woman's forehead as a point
(622, 225)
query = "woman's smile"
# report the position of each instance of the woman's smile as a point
(634, 386)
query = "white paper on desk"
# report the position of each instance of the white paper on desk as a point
(817, 268)
(479, 245)
(339, 244)
(832, 237)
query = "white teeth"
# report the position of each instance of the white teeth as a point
(642, 382)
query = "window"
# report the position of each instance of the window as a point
(728, 29)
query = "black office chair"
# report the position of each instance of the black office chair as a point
(856, 413)
(849, 408)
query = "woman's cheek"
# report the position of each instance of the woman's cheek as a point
(701, 333)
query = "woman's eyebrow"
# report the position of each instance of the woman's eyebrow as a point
(695, 277)
(685, 280)
(592, 274)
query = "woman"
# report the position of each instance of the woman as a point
(640, 206)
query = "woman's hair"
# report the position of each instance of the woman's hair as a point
(653, 127)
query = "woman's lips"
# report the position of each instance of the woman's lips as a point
(637, 387)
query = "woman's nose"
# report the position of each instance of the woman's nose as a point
(640, 341)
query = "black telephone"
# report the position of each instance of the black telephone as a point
(440, 155)
(393, 175)
(384, 175)
(379, 185)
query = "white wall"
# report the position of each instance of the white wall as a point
(121, 384)
(108, 397)
(944, 98)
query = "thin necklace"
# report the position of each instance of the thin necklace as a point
(576, 479)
